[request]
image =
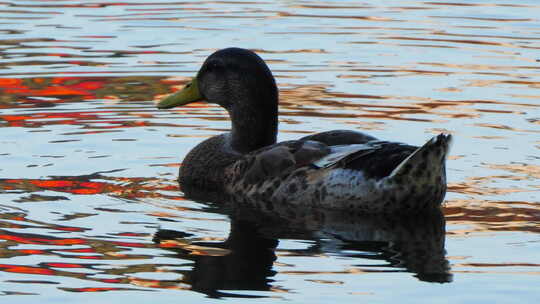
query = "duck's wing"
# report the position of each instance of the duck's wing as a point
(379, 159)
(374, 158)
(279, 159)
(316, 150)
(340, 137)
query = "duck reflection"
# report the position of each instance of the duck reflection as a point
(243, 262)
(413, 243)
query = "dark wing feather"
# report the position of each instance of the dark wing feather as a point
(280, 159)
(385, 157)
(340, 137)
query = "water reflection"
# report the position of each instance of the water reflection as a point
(51, 91)
(245, 260)
(88, 165)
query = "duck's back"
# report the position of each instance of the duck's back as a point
(372, 177)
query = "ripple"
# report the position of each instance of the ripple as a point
(89, 198)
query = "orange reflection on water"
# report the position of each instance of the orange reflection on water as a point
(26, 269)
(485, 216)
(61, 89)
(128, 188)
(530, 171)
(60, 86)
(480, 214)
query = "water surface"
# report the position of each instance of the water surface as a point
(89, 205)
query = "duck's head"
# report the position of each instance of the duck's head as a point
(229, 77)
(241, 82)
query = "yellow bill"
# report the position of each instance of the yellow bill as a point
(190, 93)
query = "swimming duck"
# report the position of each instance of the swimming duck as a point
(339, 169)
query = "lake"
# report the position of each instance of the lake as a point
(90, 210)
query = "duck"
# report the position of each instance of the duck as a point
(337, 169)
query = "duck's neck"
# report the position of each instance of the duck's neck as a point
(254, 124)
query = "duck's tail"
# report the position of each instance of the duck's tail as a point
(427, 164)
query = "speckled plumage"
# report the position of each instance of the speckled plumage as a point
(339, 169)
(417, 181)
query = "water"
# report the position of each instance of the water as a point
(89, 204)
